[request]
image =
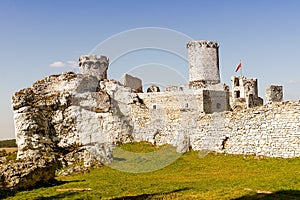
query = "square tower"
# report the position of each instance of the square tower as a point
(245, 91)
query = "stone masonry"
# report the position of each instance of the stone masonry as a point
(203, 59)
(272, 130)
(244, 92)
(274, 93)
(133, 82)
(93, 65)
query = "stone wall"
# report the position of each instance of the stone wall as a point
(113, 114)
(271, 130)
(244, 92)
(274, 93)
(215, 101)
(173, 100)
(68, 113)
(132, 82)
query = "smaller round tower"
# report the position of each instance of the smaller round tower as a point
(93, 65)
(203, 59)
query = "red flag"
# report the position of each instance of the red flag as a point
(238, 67)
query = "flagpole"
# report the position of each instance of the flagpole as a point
(241, 67)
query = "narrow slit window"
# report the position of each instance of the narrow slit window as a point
(237, 94)
(236, 82)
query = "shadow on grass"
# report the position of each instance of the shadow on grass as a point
(119, 159)
(4, 193)
(282, 194)
(147, 196)
(58, 196)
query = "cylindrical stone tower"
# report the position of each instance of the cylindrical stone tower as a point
(203, 59)
(94, 65)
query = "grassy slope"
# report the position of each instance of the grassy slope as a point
(215, 176)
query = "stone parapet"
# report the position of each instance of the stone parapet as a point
(94, 65)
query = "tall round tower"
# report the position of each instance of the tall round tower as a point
(203, 59)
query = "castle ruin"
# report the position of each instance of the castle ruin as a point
(202, 114)
(71, 117)
(245, 92)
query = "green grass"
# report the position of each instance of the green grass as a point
(8, 143)
(215, 176)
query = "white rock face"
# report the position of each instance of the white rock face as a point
(58, 115)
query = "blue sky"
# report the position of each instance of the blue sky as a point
(35, 34)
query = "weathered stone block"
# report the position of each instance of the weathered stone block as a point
(133, 82)
(153, 88)
(274, 93)
(26, 173)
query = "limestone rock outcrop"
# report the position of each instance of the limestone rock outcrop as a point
(68, 118)
(65, 113)
(26, 173)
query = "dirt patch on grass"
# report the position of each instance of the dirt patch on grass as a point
(9, 149)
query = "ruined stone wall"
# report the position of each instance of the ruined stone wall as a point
(274, 93)
(173, 100)
(161, 119)
(132, 82)
(215, 101)
(75, 114)
(244, 92)
(271, 130)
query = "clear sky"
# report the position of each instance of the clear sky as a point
(36, 36)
